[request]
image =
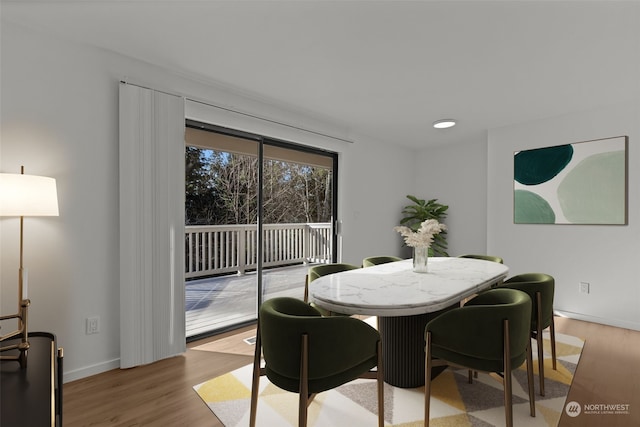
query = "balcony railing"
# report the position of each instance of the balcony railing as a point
(216, 249)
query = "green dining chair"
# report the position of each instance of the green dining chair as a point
(375, 260)
(540, 287)
(323, 270)
(307, 353)
(484, 257)
(490, 333)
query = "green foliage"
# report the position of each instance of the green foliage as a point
(200, 195)
(422, 210)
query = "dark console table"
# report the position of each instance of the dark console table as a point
(33, 396)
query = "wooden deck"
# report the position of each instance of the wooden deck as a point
(219, 302)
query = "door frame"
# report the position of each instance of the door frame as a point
(262, 140)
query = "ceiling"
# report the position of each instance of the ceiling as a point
(384, 69)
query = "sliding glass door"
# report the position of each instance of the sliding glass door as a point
(257, 212)
(297, 216)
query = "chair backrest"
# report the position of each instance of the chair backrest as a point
(476, 329)
(375, 260)
(496, 305)
(532, 283)
(334, 342)
(484, 257)
(324, 269)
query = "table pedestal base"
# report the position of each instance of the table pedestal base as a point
(403, 348)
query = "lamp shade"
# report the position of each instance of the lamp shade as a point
(27, 195)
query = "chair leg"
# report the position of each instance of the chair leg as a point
(539, 341)
(304, 382)
(427, 379)
(255, 383)
(508, 408)
(532, 393)
(552, 330)
(306, 289)
(380, 381)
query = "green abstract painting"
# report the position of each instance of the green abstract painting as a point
(579, 183)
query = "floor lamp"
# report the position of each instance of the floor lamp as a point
(24, 195)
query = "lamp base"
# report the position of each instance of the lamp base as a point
(23, 345)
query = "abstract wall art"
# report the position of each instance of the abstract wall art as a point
(578, 183)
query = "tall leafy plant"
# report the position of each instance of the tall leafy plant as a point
(421, 210)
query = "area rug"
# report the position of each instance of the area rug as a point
(454, 401)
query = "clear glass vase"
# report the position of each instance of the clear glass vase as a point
(420, 259)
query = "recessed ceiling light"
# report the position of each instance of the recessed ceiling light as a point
(444, 123)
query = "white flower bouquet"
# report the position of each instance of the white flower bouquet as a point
(425, 234)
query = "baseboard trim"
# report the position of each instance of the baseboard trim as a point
(88, 371)
(601, 320)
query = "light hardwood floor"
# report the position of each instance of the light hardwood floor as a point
(161, 394)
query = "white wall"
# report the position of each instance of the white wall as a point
(456, 176)
(59, 118)
(376, 179)
(475, 178)
(604, 256)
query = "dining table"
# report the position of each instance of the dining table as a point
(404, 302)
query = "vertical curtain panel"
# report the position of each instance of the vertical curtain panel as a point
(152, 176)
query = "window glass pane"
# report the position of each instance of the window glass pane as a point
(225, 278)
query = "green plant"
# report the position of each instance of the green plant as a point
(422, 210)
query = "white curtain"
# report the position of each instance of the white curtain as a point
(152, 316)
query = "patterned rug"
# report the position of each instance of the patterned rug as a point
(454, 401)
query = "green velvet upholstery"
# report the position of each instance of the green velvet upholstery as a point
(375, 260)
(541, 288)
(340, 348)
(532, 283)
(490, 333)
(323, 270)
(337, 349)
(484, 257)
(471, 336)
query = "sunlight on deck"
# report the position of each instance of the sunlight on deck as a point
(219, 302)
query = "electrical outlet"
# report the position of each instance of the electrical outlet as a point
(93, 325)
(584, 287)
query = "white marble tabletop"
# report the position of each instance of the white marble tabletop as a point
(393, 289)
